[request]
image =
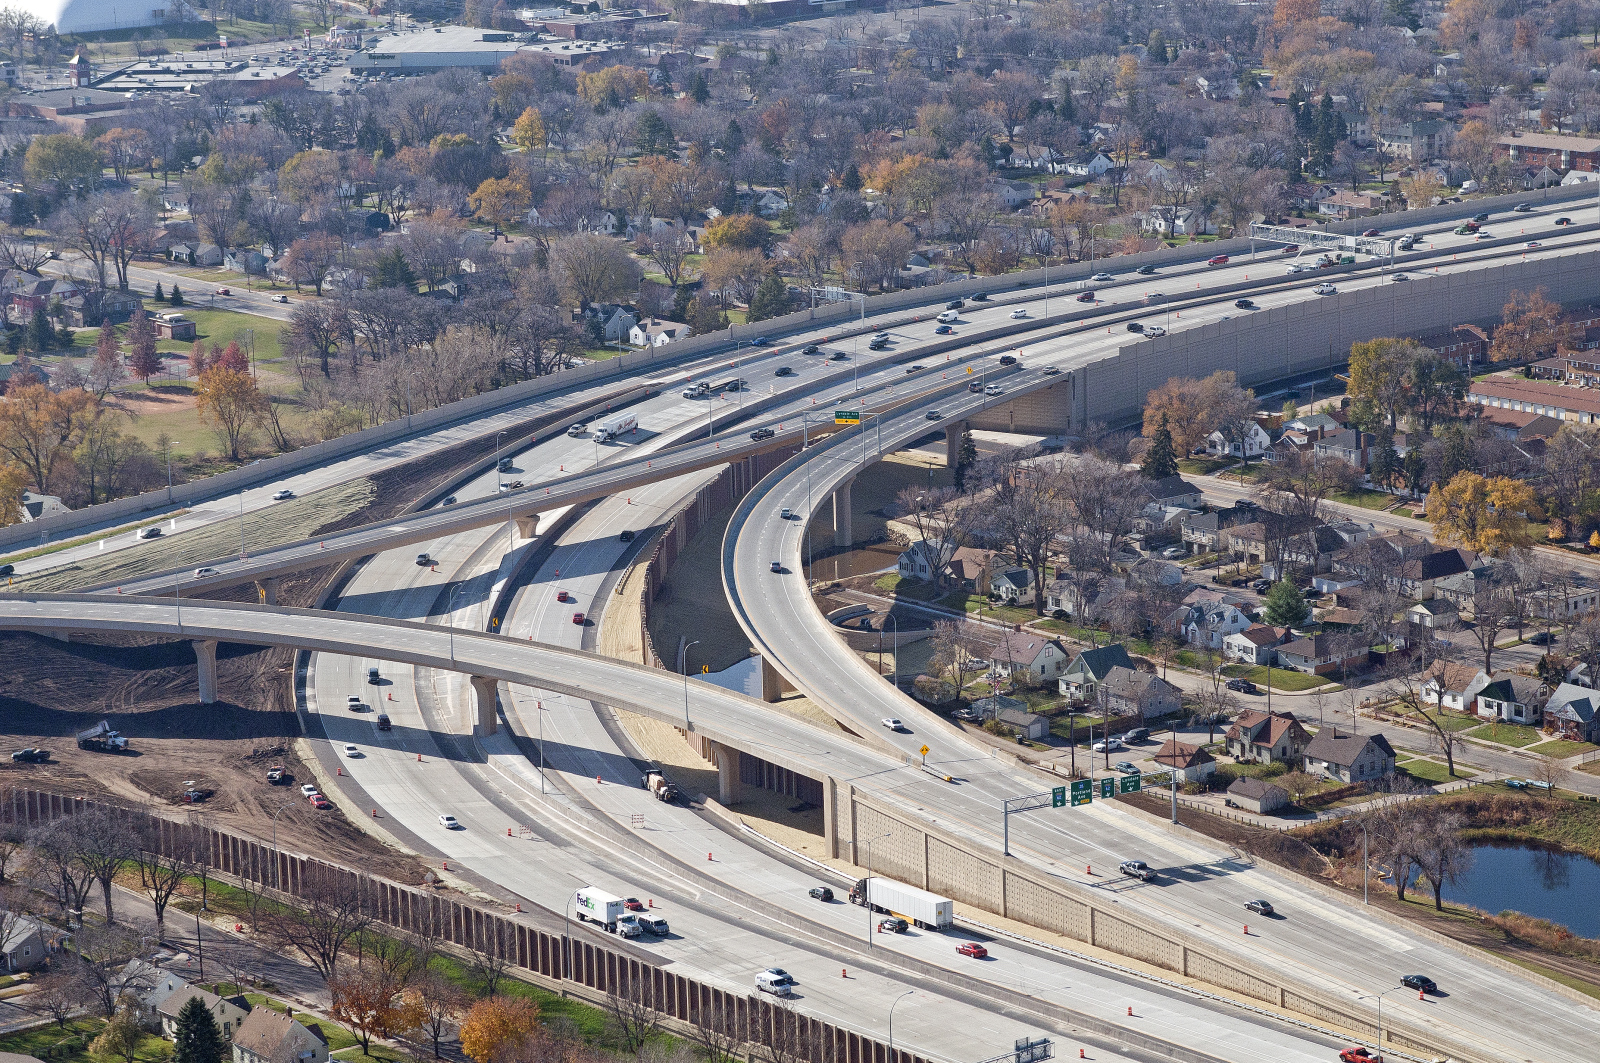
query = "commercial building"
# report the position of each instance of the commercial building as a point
(1547, 149)
(430, 49)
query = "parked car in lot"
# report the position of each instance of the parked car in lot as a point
(1137, 869)
(1260, 907)
(1242, 686)
(320, 803)
(1127, 767)
(1541, 638)
(1107, 745)
(973, 949)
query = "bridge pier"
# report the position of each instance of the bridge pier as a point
(267, 589)
(205, 653)
(480, 710)
(952, 443)
(841, 514)
(773, 684)
(727, 773)
(527, 527)
(830, 829)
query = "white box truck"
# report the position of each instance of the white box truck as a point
(927, 910)
(612, 427)
(597, 906)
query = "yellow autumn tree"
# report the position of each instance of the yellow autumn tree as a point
(529, 133)
(497, 1027)
(228, 402)
(501, 201)
(13, 482)
(614, 86)
(1489, 515)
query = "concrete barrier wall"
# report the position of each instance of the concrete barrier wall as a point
(594, 972)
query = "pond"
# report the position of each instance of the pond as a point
(1560, 887)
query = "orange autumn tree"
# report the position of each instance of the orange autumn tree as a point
(497, 1027)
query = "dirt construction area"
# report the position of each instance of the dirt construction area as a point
(147, 688)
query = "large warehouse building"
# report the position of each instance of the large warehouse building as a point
(90, 16)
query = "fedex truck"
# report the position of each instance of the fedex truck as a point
(597, 906)
(613, 427)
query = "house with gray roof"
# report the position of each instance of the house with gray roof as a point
(268, 1036)
(1574, 713)
(1349, 758)
(1082, 678)
(1511, 698)
(1129, 691)
(228, 1012)
(1257, 795)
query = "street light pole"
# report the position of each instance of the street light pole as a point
(450, 621)
(866, 883)
(566, 939)
(1379, 997)
(686, 649)
(897, 1000)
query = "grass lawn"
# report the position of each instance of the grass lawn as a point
(1561, 747)
(1432, 771)
(72, 1044)
(1507, 734)
(1364, 499)
(1403, 512)
(1011, 614)
(1452, 722)
(1282, 678)
(1203, 466)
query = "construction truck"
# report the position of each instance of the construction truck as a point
(657, 784)
(102, 738)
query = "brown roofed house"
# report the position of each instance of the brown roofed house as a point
(267, 1036)
(1189, 763)
(1267, 738)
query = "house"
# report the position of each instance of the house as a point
(1572, 596)
(1317, 548)
(173, 326)
(1029, 725)
(268, 1036)
(1013, 194)
(1020, 651)
(657, 332)
(1350, 446)
(1256, 443)
(1129, 691)
(1519, 427)
(1511, 698)
(969, 569)
(1258, 796)
(1014, 586)
(1082, 678)
(1572, 713)
(1187, 763)
(247, 261)
(614, 322)
(1208, 623)
(1462, 346)
(1419, 140)
(1434, 613)
(1347, 204)
(1319, 424)
(1203, 533)
(1561, 401)
(1095, 165)
(922, 559)
(228, 1012)
(1445, 685)
(1172, 490)
(1321, 654)
(1266, 738)
(1254, 645)
(1556, 151)
(26, 945)
(206, 255)
(1481, 577)
(1349, 758)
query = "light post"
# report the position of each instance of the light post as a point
(1379, 997)
(497, 477)
(566, 939)
(894, 646)
(449, 618)
(897, 1000)
(686, 650)
(866, 883)
(241, 526)
(542, 711)
(1364, 865)
(166, 453)
(177, 598)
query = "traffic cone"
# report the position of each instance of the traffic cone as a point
(340, 770)
(708, 858)
(519, 907)
(1247, 930)
(419, 758)
(374, 813)
(1420, 995)
(508, 832)
(446, 866)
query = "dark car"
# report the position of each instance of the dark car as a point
(784, 370)
(6, 570)
(877, 345)
(1146, 271)
(954, 304)
(1260, 907)
(943, 330)
(1541, 638)
(914, 369)
(821, 893)
(1420, 982)
(777, 566)
(933, 415)
(1086, 297)
(31, 755)
(976, 385)
(1563, 221)
(760, 341)
(627, 535)
(1481, 217)
(1134, 326)
(1008, 359)
(810, 348)
(1244, 304)
(840, 356)
(981, 297)
(383, 722)
(893, 925)
(1242, 686)
(762, 433)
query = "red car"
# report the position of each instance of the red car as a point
(1358, 1054)
(1086, 297)
(973, 949)
(224, 291)
(320, 803)
(1220, 260)
(1291, 249)
(561, 596)
(577, 618)
(633, 904)
(1371, 232)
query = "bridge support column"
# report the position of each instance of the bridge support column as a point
(841, 514)
(267, 589)
(952, 443)
(205, 652)
(528, 527)
(480, 711)
(773, 684)
(830, 806)
(727, 773)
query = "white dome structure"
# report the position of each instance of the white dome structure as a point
(90, 16)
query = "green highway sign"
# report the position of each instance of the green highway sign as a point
(1108, 788)
(1082, 792)
(1058, 797)
(1129, 784)
(846, 416)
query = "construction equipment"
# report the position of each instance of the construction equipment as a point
(657, 784)
(103, 738)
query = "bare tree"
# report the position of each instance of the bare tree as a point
(1438, 850)
(20, 251)
(633, 1020)
(58, 994)
(1297, 487)
(160, 878)
(1104, 500)
(55, 868)
(106, 971)
(105, 847)
(943, 518)
(1426, 651)
(492, 963)
(1550, 771)
(442, 1003)
(333, 907)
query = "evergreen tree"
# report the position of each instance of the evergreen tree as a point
(652, 135)
(852, 178)
(1384, 464)
(391, 270)
(177, 295)
(197, 1039)
(1457, 455)
(1415, 470)
(1403, 13)
(159, 296)
(21, 210)
(1065, 110)
(40, 335)
(681, 295)
(1160, 460)
(770, 300)
(13, 341)
(699, 91)
(733, 138)
(1157, 47)
(1286, 606)
(966, 458)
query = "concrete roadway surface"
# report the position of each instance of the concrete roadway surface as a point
(1202, 886)
(1077, 344)
(562, 840)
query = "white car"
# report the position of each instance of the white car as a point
(449, 823)
(282, 496)
(628, 927)
(1324, 289)
(1400, 277)
(1532, 243)
(994, 389)
(351, 751)
(202, 573)
(893, 724)
(1155, 330)
(1107, 745)
(1019, 312)
(1101, 277)
(280, 298)
(307, 789)
(353, 702)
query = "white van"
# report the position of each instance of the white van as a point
(949, 317)
(776, 984)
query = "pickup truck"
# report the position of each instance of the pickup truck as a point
(1138, 869)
